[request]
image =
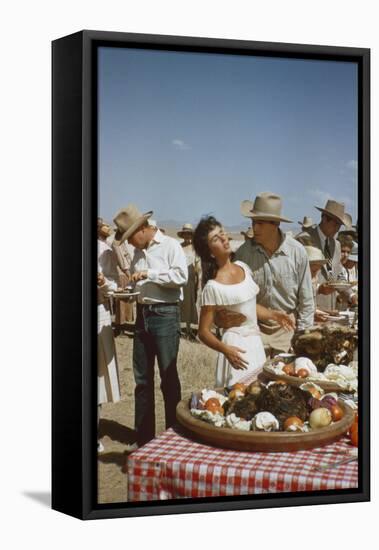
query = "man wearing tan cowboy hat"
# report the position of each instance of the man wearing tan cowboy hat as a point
(303, 237)
(159, 270)
(280, 267)
(188, 310)
(323, 237)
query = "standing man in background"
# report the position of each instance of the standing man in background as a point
(159, 270)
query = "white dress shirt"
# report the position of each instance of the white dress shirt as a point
(166, 267)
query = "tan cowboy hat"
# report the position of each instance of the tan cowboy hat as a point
(187, 228)
(127, 221)
(249, 233)
(307, 222)
(266, 207)
(335, 210)
(315, 255)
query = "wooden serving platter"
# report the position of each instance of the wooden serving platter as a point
(326, 385)
(262, 441)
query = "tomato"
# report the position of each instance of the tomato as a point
(354, 434)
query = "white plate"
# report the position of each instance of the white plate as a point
(340, 286)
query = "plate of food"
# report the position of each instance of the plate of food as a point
(335, 378)
(339, 285)
(273, 417)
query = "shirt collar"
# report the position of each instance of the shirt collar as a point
(158, 238)
(283, 247)
(321, 235)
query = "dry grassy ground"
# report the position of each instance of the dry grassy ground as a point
(196, 367)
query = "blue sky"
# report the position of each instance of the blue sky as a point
(187, 134)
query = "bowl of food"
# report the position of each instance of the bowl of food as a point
(264, 417)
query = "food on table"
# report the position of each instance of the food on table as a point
(293, 423)
(313, 389)
(289, 370)
(272, 407)
(213, 405)
(305, 363)
(337, 413)
(235, 394)
(302, 373)
(344, 376)
(233, 421)
(326, 344)
(354, 435)
(353, 432)
(254, 388)
(265, 421)
(283, 400)
(239, 387)
(320, 418)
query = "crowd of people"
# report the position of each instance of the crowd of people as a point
(246, 303)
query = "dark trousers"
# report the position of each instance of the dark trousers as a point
(157, 335)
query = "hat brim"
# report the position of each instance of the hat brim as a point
(305, 224)
(122, 236)
(332, 215)
(247, 210)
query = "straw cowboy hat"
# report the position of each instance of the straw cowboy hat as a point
(315, 255)
(249, 233)
(127, 221)
(187, 228)
(266, 207)
(307, 222)
(335, 210)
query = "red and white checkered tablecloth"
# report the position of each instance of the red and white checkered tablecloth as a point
(172, 466)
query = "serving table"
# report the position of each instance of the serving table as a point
(173, 466)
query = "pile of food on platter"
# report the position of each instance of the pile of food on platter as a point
(343, 376)
(327, 344)
(271, 407)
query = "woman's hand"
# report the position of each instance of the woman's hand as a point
(233, 356)
(284, 320)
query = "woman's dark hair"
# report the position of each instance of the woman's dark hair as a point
(200, 243)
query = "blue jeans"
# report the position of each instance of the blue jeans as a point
(157, 335)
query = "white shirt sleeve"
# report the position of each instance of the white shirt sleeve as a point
(176, 272)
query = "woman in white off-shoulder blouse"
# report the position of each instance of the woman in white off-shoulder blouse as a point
(230, 285)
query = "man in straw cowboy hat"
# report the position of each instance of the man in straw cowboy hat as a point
(303, 237)
(323, 236)
(280, 267)
(159, 270)
(188, 311)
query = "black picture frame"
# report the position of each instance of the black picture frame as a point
(74, 206)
